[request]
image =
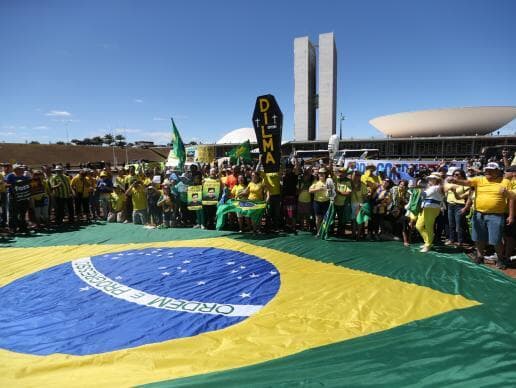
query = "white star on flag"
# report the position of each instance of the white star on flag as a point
(245, 295)
(239, 277)
(84, 289)
(178, 267)
(115, 258)
(273, 272)
(253, 275)
(186, 261)
(118, 277)
(183, 271)
(120, 254)
(165, 273)
(162, 267)
(242, 267)
(230, 263)
(147, 254)
(234, 271)
(201, 283)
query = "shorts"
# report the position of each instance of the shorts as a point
(304, 209)
(488, 227)
(320, 208)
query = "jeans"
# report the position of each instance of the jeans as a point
(140, 217)
(456, 223)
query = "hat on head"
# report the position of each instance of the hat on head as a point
(322, 170)
(492, 166)
(103, 174)
(166, 182)
(451, 170)
(434, 176)
(58, 168)
(16, 165)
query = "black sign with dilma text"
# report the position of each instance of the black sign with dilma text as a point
(268, 123)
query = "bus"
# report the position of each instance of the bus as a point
(364, 153)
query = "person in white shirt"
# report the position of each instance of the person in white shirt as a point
(433, 197)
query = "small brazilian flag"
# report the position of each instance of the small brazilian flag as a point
(240, 152)
(251, 209)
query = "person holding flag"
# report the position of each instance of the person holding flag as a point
(177, 153)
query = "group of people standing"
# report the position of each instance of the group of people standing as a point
(447, 201)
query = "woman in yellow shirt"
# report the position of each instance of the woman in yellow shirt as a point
(456, 196)
(240, 192)
(255, 192)
(304, 200)
(321, 198)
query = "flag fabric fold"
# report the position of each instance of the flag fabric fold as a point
(240, 152)
(178, 151)
(251, 209)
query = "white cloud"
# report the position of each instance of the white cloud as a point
(138, 100)
(40, 127)
(58, 113)
(127, 130)
(158, 137)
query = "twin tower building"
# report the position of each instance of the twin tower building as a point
(306, 99)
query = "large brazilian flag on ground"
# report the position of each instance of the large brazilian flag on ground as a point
(119, 305)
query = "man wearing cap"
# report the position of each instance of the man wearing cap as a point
(490, 206)
(19, 198)
(60, 185)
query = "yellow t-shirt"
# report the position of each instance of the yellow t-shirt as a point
(139, 198)
(81, 185)
(344, 187)
(255, 191)
(358, 195)
(3, 187)
(236, 190)
(371, 180)
(117, 202)
(322, 195)
(271, 181)
(488, 198)
(460, 190)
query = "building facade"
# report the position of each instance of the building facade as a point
(306, 98)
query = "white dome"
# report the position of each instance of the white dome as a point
(446, 122)
(238, 136)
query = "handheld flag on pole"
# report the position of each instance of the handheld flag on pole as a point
(242, 151)
(178, 148)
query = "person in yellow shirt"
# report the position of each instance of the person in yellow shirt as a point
(304, 200)
(272, 184)
(139, 202)
(321, 197)
(239, 192)
(359, 195)
(490, 205)
(117, 205)
(254, 192)
(369, 178)
(342, 199)
(456, 196)
(82, 188)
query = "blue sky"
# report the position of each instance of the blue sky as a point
(91, 67)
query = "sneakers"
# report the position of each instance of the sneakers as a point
(449, 242)
(203, 227)
(196, 226)
(425, 249)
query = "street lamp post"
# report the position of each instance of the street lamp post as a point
(342, 118)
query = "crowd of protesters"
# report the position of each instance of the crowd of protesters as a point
(443, 205)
